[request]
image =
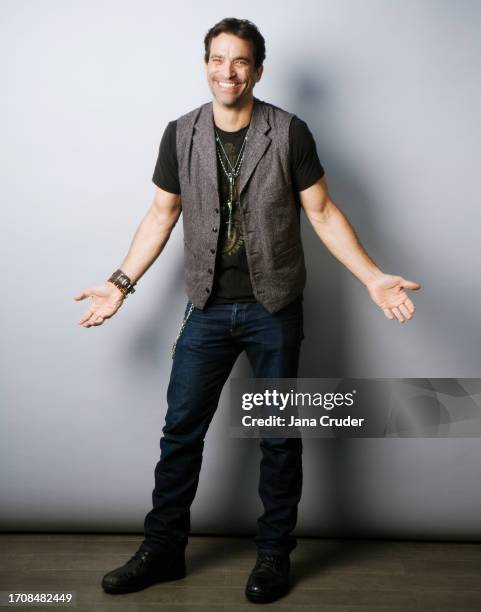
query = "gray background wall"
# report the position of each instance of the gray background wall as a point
(391, 91)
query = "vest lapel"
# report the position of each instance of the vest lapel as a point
(203, 140)
(257, 143)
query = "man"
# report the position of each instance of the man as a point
(240, 170)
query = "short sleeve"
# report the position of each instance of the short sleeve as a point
(166, 172)
(306, 167)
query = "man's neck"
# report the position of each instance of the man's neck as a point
(232, 119)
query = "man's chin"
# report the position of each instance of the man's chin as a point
(229, 101)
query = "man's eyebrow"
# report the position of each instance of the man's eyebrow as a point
(235, 58)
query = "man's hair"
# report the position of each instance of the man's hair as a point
(243, 28)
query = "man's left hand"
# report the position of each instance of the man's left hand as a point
(387, 291)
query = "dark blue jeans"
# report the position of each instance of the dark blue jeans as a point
(206, 351)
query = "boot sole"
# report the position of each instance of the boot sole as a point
(118, 590)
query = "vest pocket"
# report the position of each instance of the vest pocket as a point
(278, 192)
(290, 255)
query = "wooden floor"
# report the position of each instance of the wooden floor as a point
(327, 575)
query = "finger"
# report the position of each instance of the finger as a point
(388, 313)
(407, 284)
(398, 314)
(88, 317)
(405, 311)
(91, 323)
(98, 321)
(82, 295)
(409, 305)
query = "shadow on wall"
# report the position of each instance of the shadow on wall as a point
(326, 346)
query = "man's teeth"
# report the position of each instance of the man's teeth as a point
(223, 84)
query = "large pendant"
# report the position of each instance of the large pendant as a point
(229, 205)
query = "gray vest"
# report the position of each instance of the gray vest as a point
(270, 207)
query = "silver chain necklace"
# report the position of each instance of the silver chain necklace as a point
(232, 175)
(234, 169)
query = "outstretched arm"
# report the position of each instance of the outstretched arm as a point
(333, 228)
(147, 244)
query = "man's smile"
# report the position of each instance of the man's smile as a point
(228, 85)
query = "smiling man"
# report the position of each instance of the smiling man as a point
(240, 170)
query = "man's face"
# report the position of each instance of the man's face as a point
(230, 70)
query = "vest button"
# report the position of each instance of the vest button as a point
(207, 289)
(209, 270)
(214, 229)
(212, 251)
(216, 210)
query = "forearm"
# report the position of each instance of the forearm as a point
(147, 244)
(340, 238)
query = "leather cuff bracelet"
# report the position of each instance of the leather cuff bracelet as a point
(122, 282)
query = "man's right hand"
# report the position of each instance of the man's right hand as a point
(106, 300)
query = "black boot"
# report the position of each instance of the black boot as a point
(269, 580)
(144, 569)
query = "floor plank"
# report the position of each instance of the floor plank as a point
(327, 574)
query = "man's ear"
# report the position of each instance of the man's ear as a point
(259, 72)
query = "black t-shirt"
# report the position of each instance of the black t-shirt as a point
(231, 276)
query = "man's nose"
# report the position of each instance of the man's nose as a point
(228, 71)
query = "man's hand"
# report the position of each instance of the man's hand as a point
(387, 292)
(106, 300)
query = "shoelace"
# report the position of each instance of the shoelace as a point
(143, 555)
(147, 554)
(140, 554)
